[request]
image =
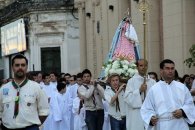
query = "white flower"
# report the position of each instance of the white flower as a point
(122, 62)
(116, 62)
(121, 67)
(119, 71)
(125, 67)
(109, 66)
(132, 65)
(130, 70)
(115, 66)
(126, 74)
(126, 62)
(111, 71)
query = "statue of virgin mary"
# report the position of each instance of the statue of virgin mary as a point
(125, 45)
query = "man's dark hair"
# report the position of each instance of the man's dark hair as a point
(67, 74)
(45, 75)
(86, 71)
(153, 73)
(19, 56)
(39, 72)
(184, 77)
(79, 75)
(60, 86)
(162, 64)
(55, 73)
(62, 80)
(74, 77)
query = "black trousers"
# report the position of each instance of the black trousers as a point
(94, 119)
(32, 127)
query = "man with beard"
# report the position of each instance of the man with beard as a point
(92, 95)
(23, 104)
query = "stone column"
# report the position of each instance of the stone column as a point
(80, 4)
(178, 29)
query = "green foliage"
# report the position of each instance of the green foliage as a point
(191, 61)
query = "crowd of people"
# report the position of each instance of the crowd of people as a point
(32, 101)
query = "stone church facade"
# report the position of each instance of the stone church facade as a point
(68, 36)
(52, 34)
(169, 32)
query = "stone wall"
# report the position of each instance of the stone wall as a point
(55, 29)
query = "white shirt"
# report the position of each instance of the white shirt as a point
(106, 125)
(132, 94)
(58, 118)
(54, 86)
(162, 100)
(48, 90)
(33, 103)
(109, 93)
(88, 93)
(193, 84)
(193, 88)
(74, 89)
(79, 115)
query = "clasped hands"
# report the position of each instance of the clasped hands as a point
(176, 114)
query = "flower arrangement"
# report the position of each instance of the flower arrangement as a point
(122, 67)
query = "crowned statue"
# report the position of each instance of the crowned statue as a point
(124, 51)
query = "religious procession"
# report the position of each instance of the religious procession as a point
(124, 96)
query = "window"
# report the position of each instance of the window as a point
(50, 59)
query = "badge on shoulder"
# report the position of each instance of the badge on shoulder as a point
(5, 91)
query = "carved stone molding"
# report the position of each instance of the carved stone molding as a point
(20, 8)
(96, 2)
(79, 4)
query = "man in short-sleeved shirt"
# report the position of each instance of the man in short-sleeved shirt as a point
(23, 104)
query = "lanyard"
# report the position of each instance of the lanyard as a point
(117, 101)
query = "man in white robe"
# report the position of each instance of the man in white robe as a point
(46, 86)
(192, 91)
(106, 125)
(58, 108)
(79, 114)
(168, 104)
(53, 80)
(73, 86)
(65, 124)
(135, 91)
(72, 90)
(57, 119)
